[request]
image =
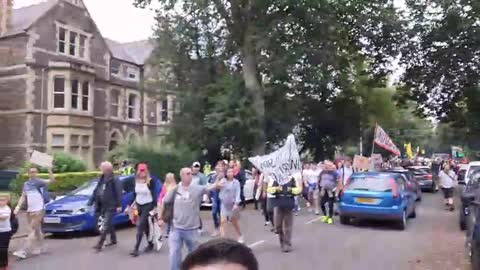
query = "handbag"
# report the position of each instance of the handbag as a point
(167, 213)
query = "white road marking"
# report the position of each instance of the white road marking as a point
(256, 243)
(313, 220)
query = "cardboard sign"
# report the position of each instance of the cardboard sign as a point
(281, 164)
(41, 159)
(376, 161)
(361, 163)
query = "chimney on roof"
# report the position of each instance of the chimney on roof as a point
(6, 7)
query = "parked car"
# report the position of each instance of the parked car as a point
(423, 175)
(70, 213)
(377, 196)
(472, 223)
(412, 183)
(472, 167)
(247, 188)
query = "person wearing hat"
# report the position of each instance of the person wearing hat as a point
(144, 200)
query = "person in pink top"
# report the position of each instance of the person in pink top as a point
(170, 183)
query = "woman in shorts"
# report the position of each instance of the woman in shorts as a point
(229, 203)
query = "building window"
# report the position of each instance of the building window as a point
(115, 103)
(114, 140)
(85, 95)
(59, 92)
(133, 109)
(164, 111)
(72, 43)
(58, 142)
(80, 146)
(131, 73)
(74, 144)
(75, 94)
(83, 44)
(62, 34)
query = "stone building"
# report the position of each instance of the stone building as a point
(65, 88)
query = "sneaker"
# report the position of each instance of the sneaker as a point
(324, 219)
(317, 213)
(241, 240)
(330, 221)
(267, 223)
(20, 254)
(149, 248)
(296, 213)
(134, 253)
(200, 231)
(215, 233)
(159, 245)
(111, 244)
(37, 252)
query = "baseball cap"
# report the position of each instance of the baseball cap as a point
(196, 164)
(142, 167)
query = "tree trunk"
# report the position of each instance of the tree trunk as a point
(254, 87)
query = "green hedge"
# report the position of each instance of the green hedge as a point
(64, 182)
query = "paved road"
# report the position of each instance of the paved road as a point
(431, 241)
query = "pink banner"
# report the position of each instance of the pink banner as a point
(383, 140)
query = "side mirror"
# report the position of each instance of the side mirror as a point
(468, 198)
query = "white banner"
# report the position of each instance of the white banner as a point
(41, 159)
(281, 164)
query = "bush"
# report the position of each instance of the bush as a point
(64, 163)
(64, 182)
(161, 158)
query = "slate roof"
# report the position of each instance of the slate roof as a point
(23, 18)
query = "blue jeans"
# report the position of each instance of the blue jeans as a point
(176, 240)
(216, 209)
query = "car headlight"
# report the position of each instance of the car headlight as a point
(81, 210)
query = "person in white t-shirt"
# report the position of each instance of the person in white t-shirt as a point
(32, 195)
(310, 178)
(448, 180)
(5, 230)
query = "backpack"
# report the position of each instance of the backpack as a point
(14, 223)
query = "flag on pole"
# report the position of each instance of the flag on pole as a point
(408, 150)
(383, 140)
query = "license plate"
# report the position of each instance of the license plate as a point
(55, 220)
(366, 200)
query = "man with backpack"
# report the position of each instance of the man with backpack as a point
(34, 197)
(107, 198)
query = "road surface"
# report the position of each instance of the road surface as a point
(431, 241)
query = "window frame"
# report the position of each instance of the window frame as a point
(135, 107)
(118, 103)
(55, 92)
(80, 52)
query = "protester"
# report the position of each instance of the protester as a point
(107, 198)
(241, 177)
(221, 254)
(447, 179)
(127, 168)
(198, 178)
(230, 204)
(311, 182)
(5, 230)
(34, 197)
(284, 204)
(344, 172)
(256, 185)
(186, 199)
(328, 183)
(214, 196)
(144, 199)
(169, 185)
(269, 204)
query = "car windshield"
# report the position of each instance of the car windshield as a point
(473, 169)
(85, 189)
(378, 184)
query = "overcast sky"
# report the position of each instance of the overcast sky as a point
(117, 19)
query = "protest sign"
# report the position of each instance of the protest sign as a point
(376, 161)
(383, 140)
(360, 163)
(280, 164)
(41, 159)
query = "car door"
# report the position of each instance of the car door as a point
(406, 193)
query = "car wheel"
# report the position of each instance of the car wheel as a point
(99, 224)
(474, 257)
(462, 221)
(414, 213)
(344, 220)
(402, 225)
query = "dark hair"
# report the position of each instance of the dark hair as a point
(221, 250)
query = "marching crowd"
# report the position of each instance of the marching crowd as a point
(173, 211)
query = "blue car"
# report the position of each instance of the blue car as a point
(71, 213)
(377, 196)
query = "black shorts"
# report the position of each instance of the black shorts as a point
(447, 193)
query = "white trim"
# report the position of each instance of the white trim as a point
(15, 77)
(68, 30)
(8, 68)
(137, 116)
